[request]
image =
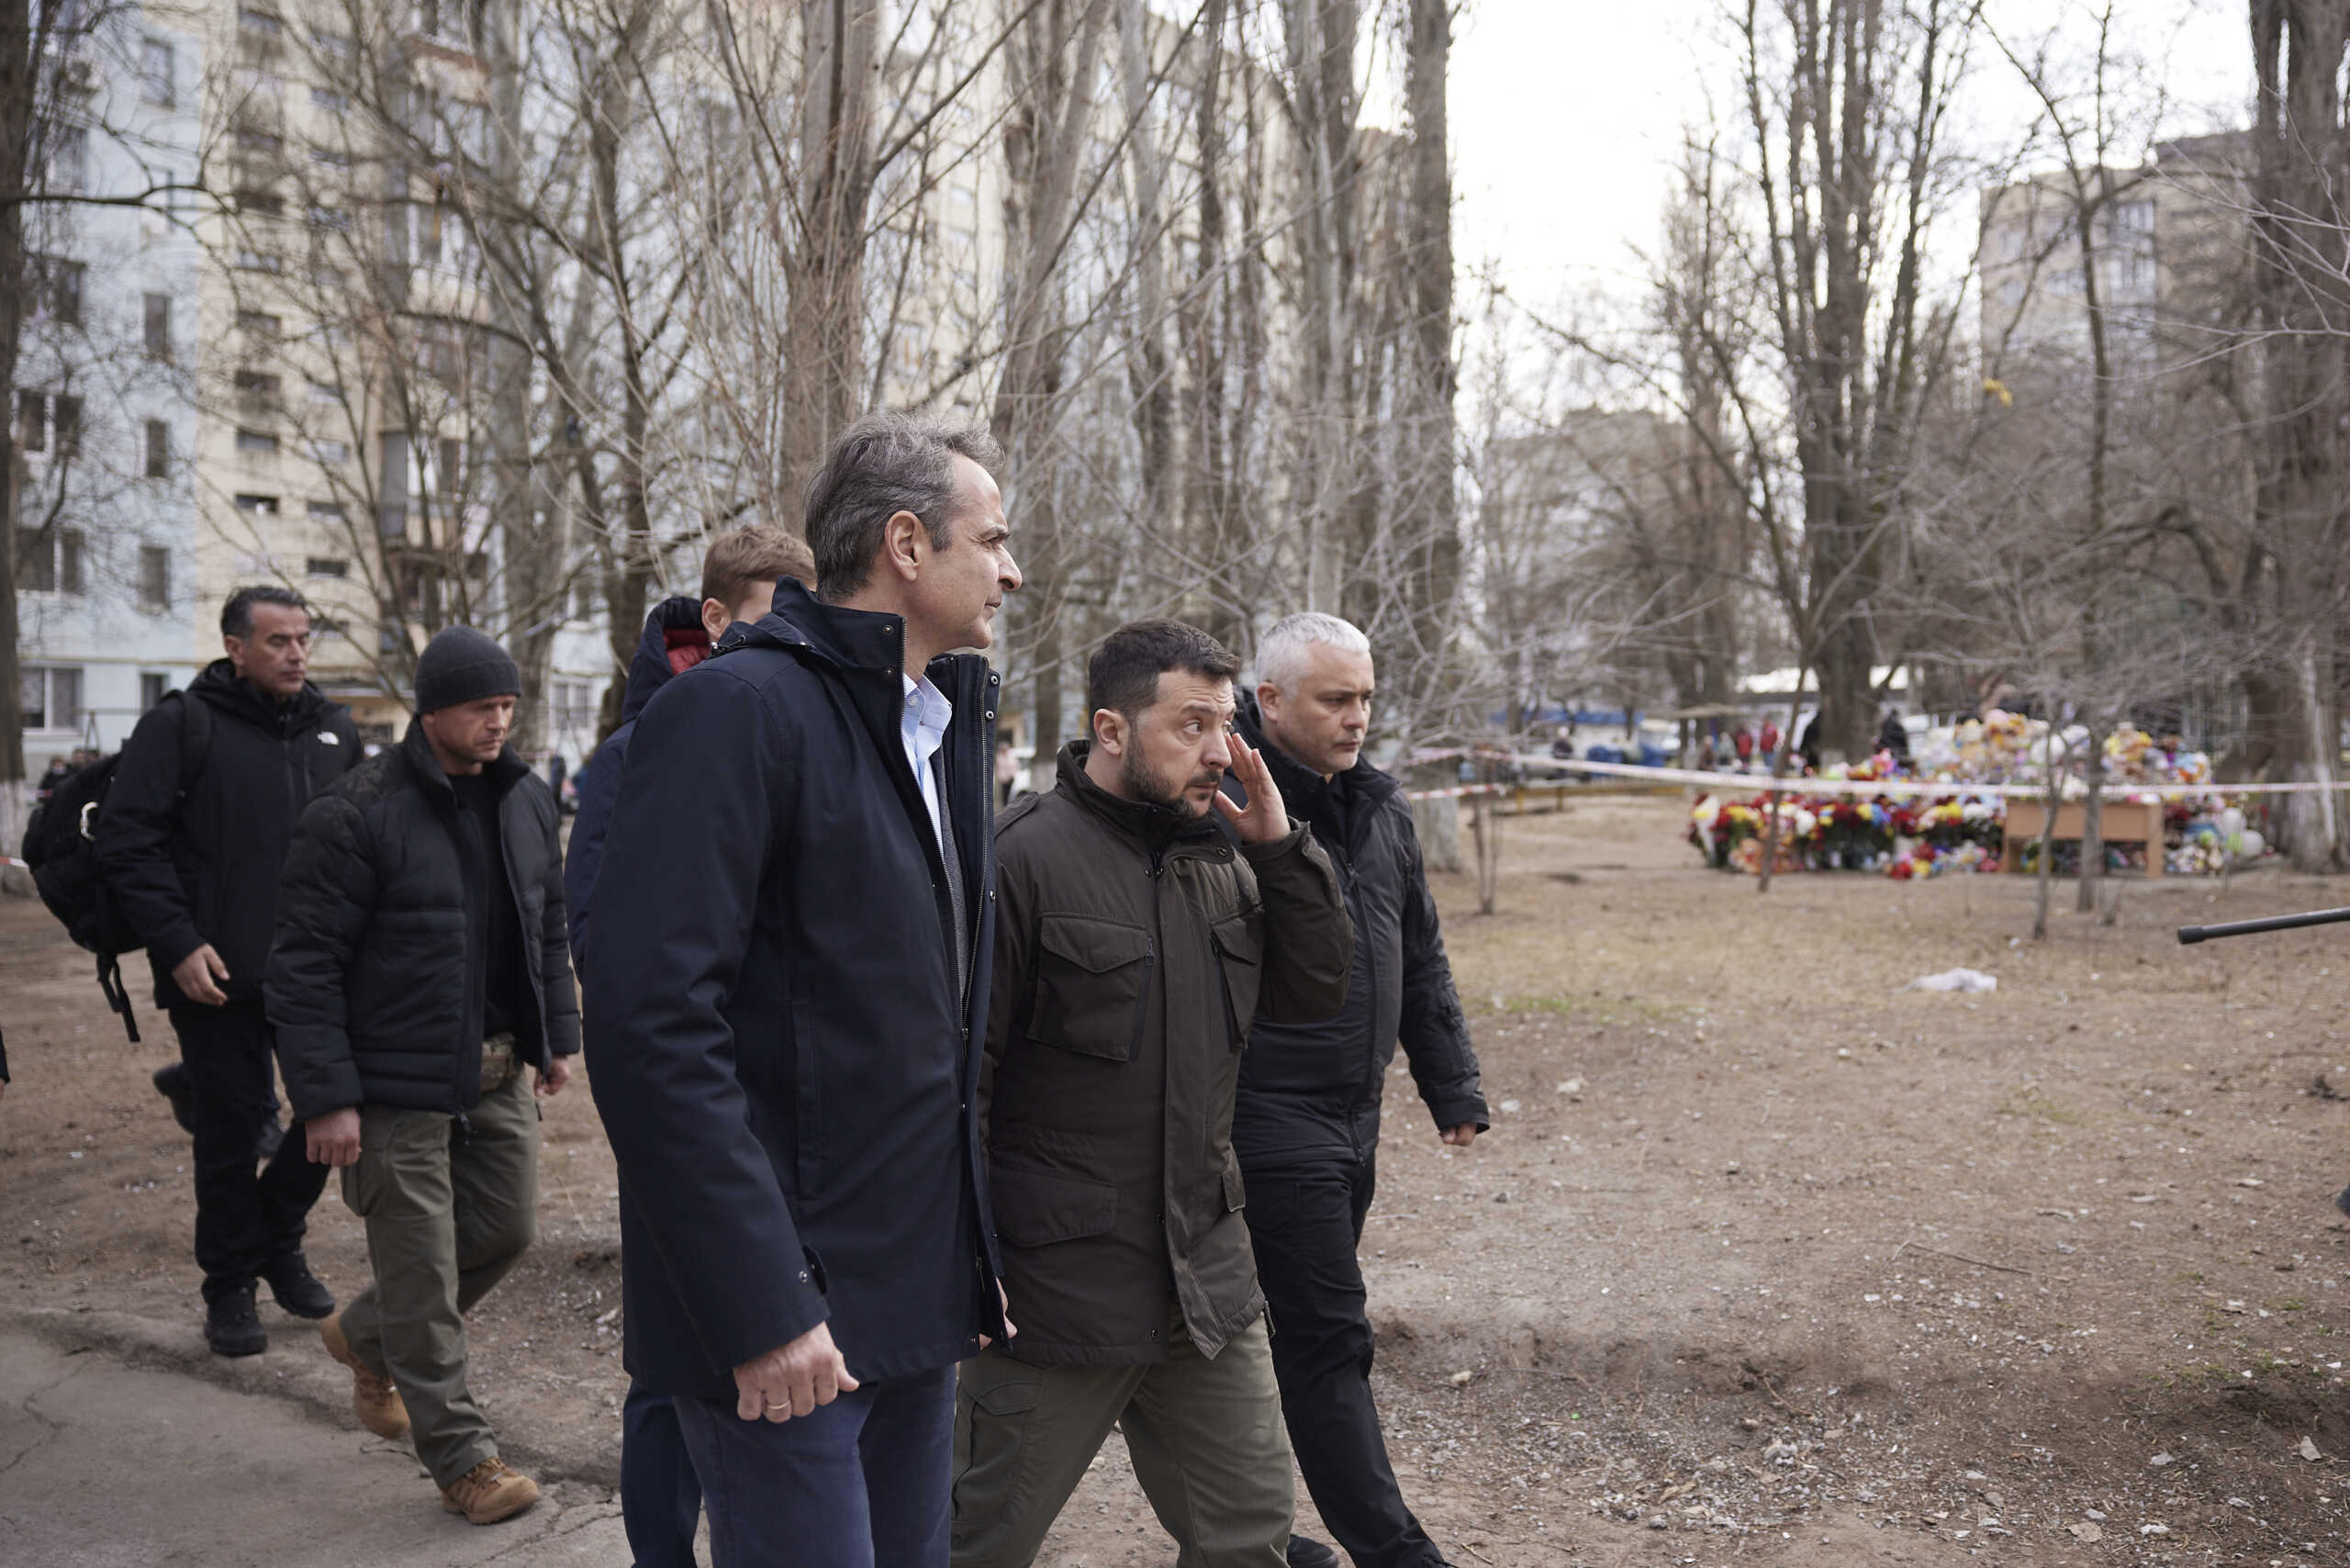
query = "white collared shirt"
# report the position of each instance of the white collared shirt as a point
(921, 725)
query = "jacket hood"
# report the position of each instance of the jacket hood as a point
(843, 638)
(674, 641)
(220, 685)
(416, 751)
(1297, 781)
(1153, 825)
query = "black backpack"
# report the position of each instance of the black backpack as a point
(61, 846)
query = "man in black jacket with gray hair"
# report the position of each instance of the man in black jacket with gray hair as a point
(1306, 1128)
(793, 930)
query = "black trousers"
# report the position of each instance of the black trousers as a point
(1306, 1223)
(244, 1220)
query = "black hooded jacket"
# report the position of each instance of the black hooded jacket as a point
(674, 641)
(780, 1034)
(1310, 1091)
(369, 989)
(195, 860)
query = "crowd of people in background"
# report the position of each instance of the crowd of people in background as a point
(956, 1120)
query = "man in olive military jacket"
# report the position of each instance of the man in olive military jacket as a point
(1134, 942)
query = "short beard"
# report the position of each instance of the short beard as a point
(1143, 785)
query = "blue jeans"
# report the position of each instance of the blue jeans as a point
(863, 1481)
(660, 1499)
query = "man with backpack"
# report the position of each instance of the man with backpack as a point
(191, 836)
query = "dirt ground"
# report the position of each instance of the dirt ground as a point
(1766, 1260)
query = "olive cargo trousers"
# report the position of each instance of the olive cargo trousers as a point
(449, 1204)
(1205, 1436)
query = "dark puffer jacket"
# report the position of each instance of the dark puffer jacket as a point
(373, 1000)
(675, 641)
(1133, 946)
(1310, 1092)
(195, 860)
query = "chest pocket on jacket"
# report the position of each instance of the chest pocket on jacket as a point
(1239, 963)
(1092, 985)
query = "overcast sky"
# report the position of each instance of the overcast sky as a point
(1567, 116)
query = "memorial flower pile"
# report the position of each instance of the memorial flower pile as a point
(1911, 837)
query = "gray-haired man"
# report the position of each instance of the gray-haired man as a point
(1307, 1126)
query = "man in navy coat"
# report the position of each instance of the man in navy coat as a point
(793, 924)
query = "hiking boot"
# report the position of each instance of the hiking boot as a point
(490, 1492)
(373, 1398)
(171, 1083)
(1304, 1552)
(231, 1326)
(295, 1288)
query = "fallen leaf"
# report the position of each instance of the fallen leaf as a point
(2085, 1532)
(2309, 1450)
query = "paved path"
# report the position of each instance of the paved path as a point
(109, 1465)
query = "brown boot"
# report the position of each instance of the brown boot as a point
(373, 1398)
(490, 1492)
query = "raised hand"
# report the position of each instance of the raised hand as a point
(1264, 819)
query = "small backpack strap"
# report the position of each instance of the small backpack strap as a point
(110, 986)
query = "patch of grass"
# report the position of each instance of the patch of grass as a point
(2200, 1375)
(2039, 1107)
(1602, 1008)
(2294, 1304)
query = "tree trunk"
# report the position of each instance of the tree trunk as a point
(2303, 293)
(1430, 525)
(18, 84)
(824, 317)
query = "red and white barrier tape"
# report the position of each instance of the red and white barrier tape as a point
(1795, 784)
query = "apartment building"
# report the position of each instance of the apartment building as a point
(109, 615)
(2167, 237)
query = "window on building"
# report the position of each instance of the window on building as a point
(392, 516)
(260, 202)
(260, 443)
(65, 415)
(328, 101)
(260, 21)
(259, 323)
(36, 561)
(326, 565)
(154, 577)
(60, 288)
(156, 73)
(257, 506)
(51, 697)
(328, 511)
(159, 449)
(68, 161)
(452, 475)
(50, 562)
(153, 685)
(32, 422)
(159, 327)
(257, 388)
(331, 451)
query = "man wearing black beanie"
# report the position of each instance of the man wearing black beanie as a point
(421, 965)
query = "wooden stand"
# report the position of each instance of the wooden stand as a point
(2124, 822)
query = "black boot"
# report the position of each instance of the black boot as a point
(171, 1083)
(1304, 1552)
(232, 1326)
(295, 1289)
